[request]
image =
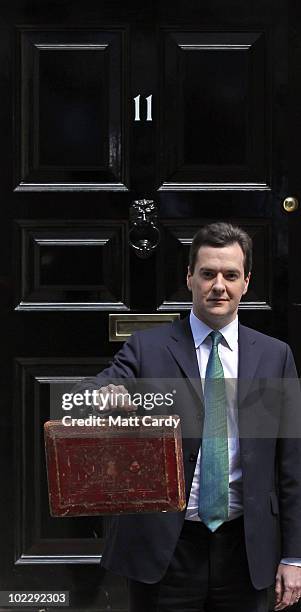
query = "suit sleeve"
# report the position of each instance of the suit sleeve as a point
(289, 461)
(123, 370)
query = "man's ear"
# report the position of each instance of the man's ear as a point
(188, 277)
(247, 280)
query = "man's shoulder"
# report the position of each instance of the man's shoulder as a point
(263, 339)
(164, 331)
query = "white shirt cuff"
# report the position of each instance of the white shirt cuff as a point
(291, 561)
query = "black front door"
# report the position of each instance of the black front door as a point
(189, 105)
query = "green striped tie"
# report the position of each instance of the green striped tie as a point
(214, 468)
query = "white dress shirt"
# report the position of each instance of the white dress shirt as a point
(228, 353)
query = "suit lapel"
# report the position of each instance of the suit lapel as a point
(248, 360)
(182, 348)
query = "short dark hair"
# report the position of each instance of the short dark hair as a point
(221, 234)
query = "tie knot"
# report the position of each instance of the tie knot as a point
(216, 337)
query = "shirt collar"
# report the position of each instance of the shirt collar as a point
(200, 331)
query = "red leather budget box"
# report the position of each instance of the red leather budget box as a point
(112, 469)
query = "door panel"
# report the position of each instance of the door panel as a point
(216, 83)
(74, 265)
(39, 535)
(71, 110)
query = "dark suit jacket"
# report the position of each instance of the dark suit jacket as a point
(141, 546)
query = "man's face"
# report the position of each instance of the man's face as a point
(217, 284)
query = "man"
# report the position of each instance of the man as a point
(241, 530)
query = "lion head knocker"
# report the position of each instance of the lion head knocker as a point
(144, 234)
